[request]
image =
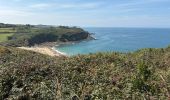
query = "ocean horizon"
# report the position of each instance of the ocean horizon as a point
(118, 39)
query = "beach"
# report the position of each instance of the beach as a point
(44, 50)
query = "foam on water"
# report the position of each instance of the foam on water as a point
(119, 39)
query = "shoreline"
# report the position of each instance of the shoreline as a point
(61, 53)
(45, 50)
(48, 48)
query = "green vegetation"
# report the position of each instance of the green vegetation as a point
(7, 30)
(2, 25)
(4, 37)
(29, 35)
(144, 74)
(26, 75)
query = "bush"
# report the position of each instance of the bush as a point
(4, 50)
(106, 76)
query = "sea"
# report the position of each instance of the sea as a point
(118, 40)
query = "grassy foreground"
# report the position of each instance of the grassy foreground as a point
(144, 74)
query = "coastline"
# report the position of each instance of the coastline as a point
(48, 48)
(45, 50)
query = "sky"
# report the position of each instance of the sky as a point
(87, 13)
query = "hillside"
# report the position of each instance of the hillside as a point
(143, 74)
(30, 35)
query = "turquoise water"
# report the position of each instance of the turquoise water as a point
(119, 39)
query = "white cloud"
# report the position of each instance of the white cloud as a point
(17, 0)
(6, 11)
(141, 2)
(90, 14)
(41, 5)
(85, 5)
(65, 6)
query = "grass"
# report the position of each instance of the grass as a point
(7, 30)
(4, 37)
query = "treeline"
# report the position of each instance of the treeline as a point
(2, 25)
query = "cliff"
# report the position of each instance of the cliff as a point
(30, 35)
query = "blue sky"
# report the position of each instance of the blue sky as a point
(87, 13)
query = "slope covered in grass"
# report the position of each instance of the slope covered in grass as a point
(143, 74)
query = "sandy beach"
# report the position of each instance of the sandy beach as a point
(44, 50)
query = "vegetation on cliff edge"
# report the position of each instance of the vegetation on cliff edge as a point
(30, 35)
(143, 74)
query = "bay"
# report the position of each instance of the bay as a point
(119, 40)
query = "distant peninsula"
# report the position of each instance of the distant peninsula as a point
(29, 35)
